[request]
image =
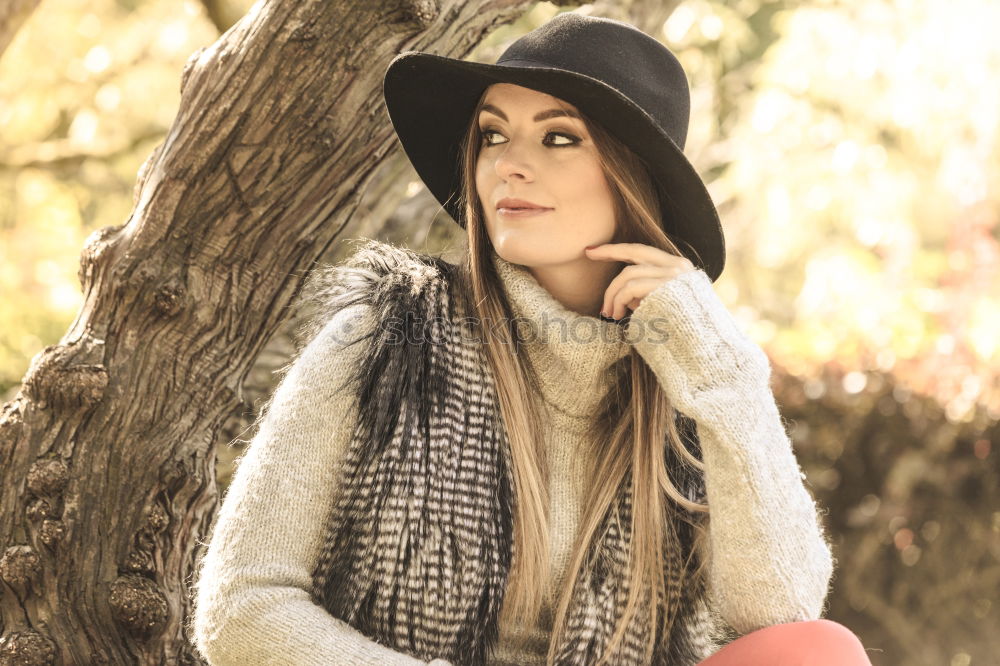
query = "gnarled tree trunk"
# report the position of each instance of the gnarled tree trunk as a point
(108, 450)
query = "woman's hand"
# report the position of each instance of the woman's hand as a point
(650, 268)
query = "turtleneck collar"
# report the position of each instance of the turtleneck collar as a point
(570, 351)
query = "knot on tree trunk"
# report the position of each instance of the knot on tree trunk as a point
(168, 299)
(140, 557)
(138, 604)
(51, 532)
(20, 566)
(27, 648)
(157, 518)
(53, 379)
(47, 477)
(420, 12)
(39, 510)
(139, 561)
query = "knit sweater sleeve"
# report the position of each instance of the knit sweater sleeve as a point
(769, 559)
(252, 601)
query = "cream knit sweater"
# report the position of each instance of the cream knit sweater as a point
(770, 560)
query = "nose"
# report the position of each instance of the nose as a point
(513, 163)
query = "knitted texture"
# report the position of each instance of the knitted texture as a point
(253, 584)
(771, 560)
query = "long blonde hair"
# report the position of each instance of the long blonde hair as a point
(628, 436)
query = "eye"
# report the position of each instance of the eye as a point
(572, 139)
(485, 133)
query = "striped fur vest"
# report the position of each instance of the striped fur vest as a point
(419, 542)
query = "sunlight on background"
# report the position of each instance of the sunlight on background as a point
(862, 185)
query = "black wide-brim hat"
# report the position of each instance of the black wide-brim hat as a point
(613, 72)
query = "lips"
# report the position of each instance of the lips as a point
(518, 204)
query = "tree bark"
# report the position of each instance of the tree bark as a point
(108, 480)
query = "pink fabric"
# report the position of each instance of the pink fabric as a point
(809, 643)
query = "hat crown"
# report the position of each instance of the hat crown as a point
(617, 54)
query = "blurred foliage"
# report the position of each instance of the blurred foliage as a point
(858, 165)
(852, 149)
(913, 509)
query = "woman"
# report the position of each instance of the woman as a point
(513, 460)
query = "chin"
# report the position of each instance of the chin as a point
(514, 254)
(535, 255)
(528, 248)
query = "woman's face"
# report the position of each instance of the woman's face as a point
(531, 150)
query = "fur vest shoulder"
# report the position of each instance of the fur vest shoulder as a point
(419, 543)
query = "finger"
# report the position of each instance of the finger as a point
(634, 272)
(633, 290)
(630, 273)
(633, 253)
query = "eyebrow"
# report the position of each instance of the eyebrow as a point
(540, 116)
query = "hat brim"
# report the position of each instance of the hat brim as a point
(430, 99)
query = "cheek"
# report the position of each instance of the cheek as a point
(590, 187)
(484, 188)
(593, 214)
(482, 181)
